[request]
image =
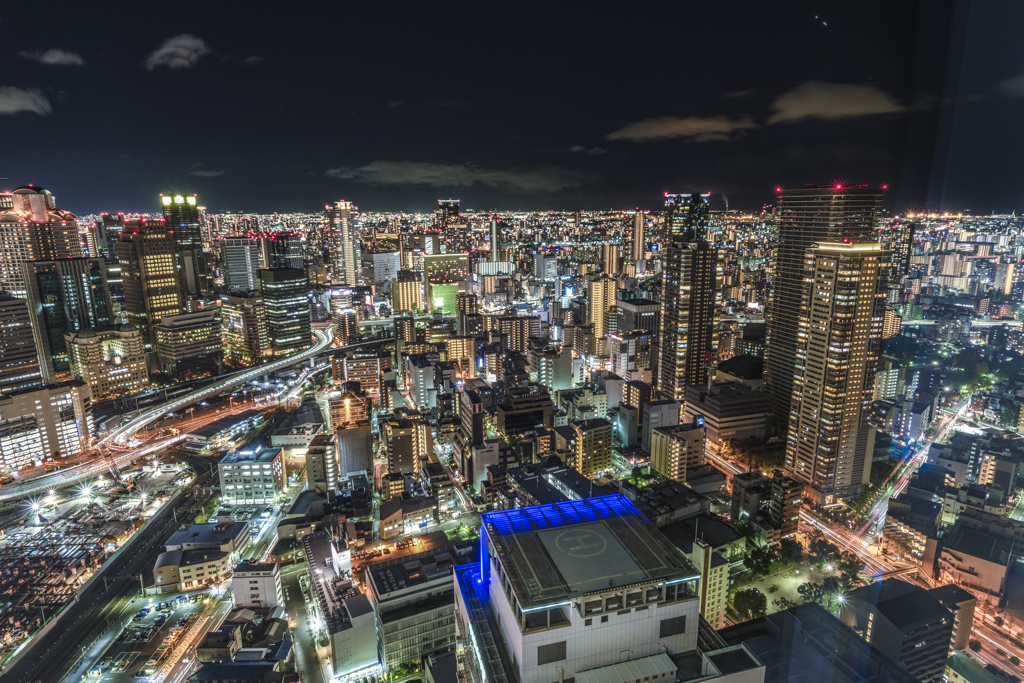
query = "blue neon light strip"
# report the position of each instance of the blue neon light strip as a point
(537, 517)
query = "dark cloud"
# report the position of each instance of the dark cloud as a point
(55, 56)
(830, 101)
(695, 128)
(592, 151)
(14, 100)
(526, 181)
(179, 52)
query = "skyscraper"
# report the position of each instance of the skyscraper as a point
(600, 298)
(19, 362)
(687, 340)
(446, 216)
(149, 274)
(344, 242)
(639, 248)
(32, 227)
(69, 295)
(283, 250)
(285, 294)
(241, 263)
(813, 214)
(829, 442)
(901, 246)
(494, 237)
(610, 259)
(181, 214)
(243, 329)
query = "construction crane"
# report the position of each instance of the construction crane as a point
(126, 484)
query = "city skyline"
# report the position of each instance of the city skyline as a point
(254, 129)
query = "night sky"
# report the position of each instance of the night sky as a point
(511, 105)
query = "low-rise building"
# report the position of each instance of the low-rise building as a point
(182, 570)
(975, 559)
(224, 432)
(414, 602)
(227, 537)
(346, 616)
(257, 584)
(248, 477)
(403, 515)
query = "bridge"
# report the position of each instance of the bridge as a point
(122, 435)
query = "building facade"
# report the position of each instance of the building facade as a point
(112, 361)
(252, 478)
(829, 442)
(808, 216)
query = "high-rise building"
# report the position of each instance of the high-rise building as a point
(807, 216)
(676, 449)
(407, 444)
(518, 330)
(905, 622)
(19, 362)
(600, 299)
(241, 264)
(639, 314)
(443, 297)
(37, 423)
(282, 250)
(189, 345)
(601, 593)
(686, 344)
(662, 413)
(610, 263)
(322, 464)
(630, 352)
(243, 329)
(593, 452)
(494, 238)
(68, 295)
(341, 223)
(149, 274)
(285, 293)
(407, 292)
(443, 268)
(639, 248)
(365, 367)
(112, 360)
(447, 214)
(551, 367)
(33, 228)
(901, 247)
(182, 219)
(829, 443)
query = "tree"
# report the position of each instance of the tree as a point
(812, 592)
(759, 561)
(823, 550)
(783, 603)
(974, 645)
(791, 550)
(750, 603)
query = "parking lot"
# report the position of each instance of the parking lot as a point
(149, 634)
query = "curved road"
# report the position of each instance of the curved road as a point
(123, 434)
